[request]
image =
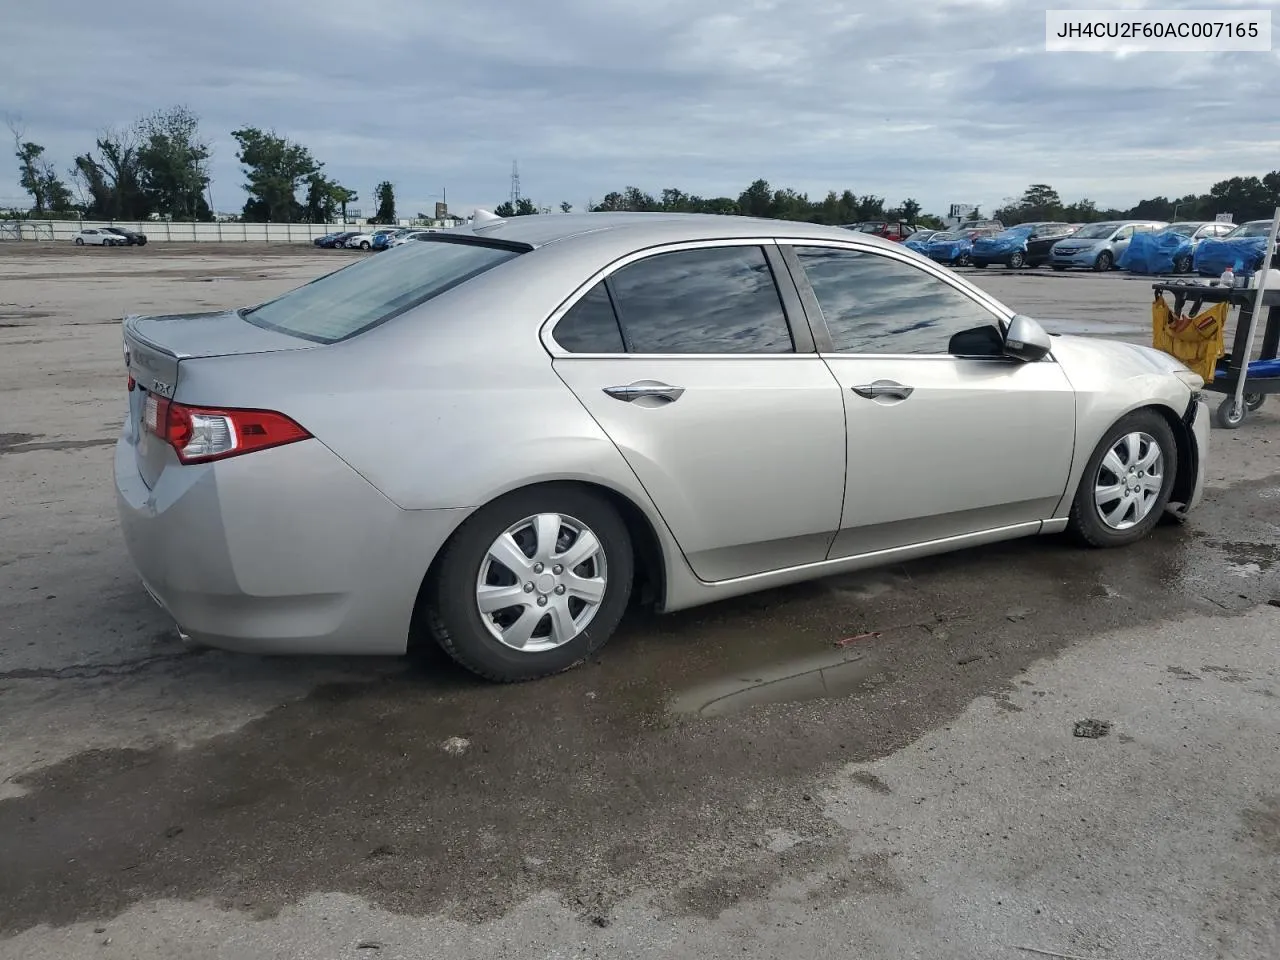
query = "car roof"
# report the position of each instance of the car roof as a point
(643, 229)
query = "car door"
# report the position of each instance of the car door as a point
(1120, 241)
(946, 436)
(712, 391)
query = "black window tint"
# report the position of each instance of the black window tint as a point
(590, 325)
(874, 304)
(714, 300)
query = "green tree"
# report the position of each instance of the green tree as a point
(275, 168)
(525, 207)
(909, 210)
(870, 207)
(324, 199)
(112, 177)
(757, 200)
(565, 206)
(384, 195)
(505, 209)
(36, 174)
(174, 164)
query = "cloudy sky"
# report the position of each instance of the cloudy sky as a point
(943, 100)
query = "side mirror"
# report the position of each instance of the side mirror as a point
(1026, 340)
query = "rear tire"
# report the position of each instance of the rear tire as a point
(1116, 465)
(471, 565)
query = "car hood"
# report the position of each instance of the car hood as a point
(1113, 358)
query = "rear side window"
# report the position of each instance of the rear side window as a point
(591, 326)
(709, 300)
(356, 298)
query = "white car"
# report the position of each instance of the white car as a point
(100, 238)
(410, 235)
(364, 241)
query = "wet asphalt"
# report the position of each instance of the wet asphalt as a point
(410, 785)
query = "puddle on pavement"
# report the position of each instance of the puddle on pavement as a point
(834, 674)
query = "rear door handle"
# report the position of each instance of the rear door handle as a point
(884, 388)
(645, 388)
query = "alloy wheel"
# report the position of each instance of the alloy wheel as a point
(541, 582)
(1129, 480)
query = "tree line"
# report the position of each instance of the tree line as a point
(1245, 198)
(158, 166)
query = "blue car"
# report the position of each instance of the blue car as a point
(1241, 249)
(953, 249)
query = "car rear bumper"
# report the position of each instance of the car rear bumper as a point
(286, 550)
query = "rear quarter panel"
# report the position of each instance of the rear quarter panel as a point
(451, 404)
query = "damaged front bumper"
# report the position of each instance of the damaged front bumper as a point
(1189, 487)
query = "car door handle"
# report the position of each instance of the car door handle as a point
(645, 388)
(884, 388)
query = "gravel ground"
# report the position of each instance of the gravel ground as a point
(723, 782)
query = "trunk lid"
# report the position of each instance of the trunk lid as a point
(154, 349)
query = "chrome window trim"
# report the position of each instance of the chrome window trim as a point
(560, 353)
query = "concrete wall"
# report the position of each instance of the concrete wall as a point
(159, 231)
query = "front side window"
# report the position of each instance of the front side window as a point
(708, 300)
(356, 298)
(877, 304)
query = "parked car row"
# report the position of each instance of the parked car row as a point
(1204, 246)
(379, 239)
(109, 237)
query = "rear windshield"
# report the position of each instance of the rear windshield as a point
(372, 291)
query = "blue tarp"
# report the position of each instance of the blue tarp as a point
(1256, 368)
(1244, 255)
(919, 246)
(950, 250)
(1154, 252)
(1003, 243)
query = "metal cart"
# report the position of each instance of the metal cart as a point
(1234, 365)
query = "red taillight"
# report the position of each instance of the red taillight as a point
(202, 434)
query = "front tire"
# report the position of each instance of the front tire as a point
(532, 584)
(1126, 483)
(1017, 260)
(1182, 265)
(1104, 262)
(79, 241)
(364, 244)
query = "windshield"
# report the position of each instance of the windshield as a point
(1255, 228)
(1186, 229)
(1095, 231)
(356, 298)
(948, 235)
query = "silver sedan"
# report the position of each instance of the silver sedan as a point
(500, 435)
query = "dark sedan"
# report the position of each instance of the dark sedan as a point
(1026, 245)
(132, 238)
